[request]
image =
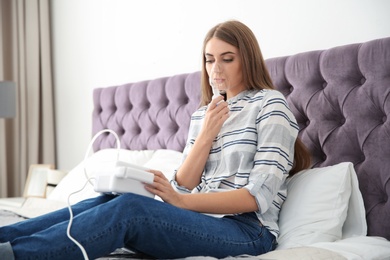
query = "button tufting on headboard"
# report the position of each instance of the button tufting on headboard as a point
(151, 114)
(344, 93)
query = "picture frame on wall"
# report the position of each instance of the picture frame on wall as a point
(37, 180)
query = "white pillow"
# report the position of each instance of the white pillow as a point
(356, 224)
(317, 204)
(166, 161)
(163, 160)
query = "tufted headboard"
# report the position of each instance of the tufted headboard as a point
(340, 97)
(147, 115)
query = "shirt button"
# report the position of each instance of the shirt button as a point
(263, 175)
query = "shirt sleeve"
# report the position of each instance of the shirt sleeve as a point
(277, 131)
(177, 187)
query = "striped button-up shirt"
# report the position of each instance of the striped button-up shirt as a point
(254, 150)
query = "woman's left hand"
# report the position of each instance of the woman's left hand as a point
(163, 188)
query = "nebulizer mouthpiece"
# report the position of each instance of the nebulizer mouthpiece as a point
(216, 83)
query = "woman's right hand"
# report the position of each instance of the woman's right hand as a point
(216, 114)
(189, 174)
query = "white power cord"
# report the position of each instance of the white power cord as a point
(118, 146)
(71, 221)
(88, 181)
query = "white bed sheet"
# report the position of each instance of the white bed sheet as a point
(356, 248)
(360, 248)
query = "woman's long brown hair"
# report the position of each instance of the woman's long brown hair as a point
(255, 73)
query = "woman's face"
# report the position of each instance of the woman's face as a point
(223, 65)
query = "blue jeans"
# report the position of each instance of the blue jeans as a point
(142, 224)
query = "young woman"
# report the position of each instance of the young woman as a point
(238, 155)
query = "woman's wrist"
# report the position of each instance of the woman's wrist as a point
(204, 139)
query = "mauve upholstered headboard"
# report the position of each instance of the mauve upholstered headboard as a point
(340, 97)
(147, 115)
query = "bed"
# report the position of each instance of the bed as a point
(338, 209)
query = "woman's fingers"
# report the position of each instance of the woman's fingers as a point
(214, 104)
(160, 182)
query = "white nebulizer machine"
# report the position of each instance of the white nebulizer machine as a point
(124, 178)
